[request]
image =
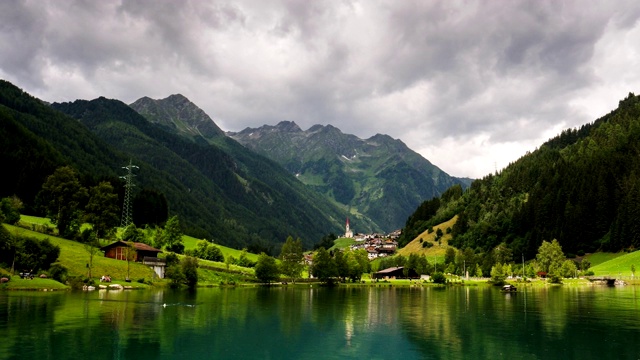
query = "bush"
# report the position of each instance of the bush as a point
(177, 248)
(171, 259)
(174, 272)
(439, 278)
(58, 272)
(33, 254)
(190, 271)
(554, 279)
(75, 282)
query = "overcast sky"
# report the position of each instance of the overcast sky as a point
(469, 85)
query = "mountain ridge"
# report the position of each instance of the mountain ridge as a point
(365, 175)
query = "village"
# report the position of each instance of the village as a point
(377, 245)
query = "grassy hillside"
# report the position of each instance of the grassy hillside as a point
(74, 257)
(342, 243)
(438, 250)
(191, 243)
(601, 257)
(618, 266)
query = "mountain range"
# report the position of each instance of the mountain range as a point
(379, 177)
(225, 193)
(232, 193)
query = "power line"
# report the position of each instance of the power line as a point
(127, 207)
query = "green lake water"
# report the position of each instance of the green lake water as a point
(594, 322)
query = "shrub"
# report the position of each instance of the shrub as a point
(75, 282)
(190, 271)
(171, 259)
(177, 248)
(439, 278)
(554, 279)
(58, 272)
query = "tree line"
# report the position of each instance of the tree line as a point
(581, 188)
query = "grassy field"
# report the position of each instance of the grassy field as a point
(75, 257)
(191, 243)
(619, 265)
(35, 220)
(437, 250)
(17, 283)
(342, 243)
(602, 257)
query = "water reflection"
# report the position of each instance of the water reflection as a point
(321, 323)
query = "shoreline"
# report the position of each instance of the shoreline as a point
(49, 285)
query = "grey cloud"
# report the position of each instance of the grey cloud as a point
(420, 70)
(21, 41)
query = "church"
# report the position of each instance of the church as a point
(348, 233)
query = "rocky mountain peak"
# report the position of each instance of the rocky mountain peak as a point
(288, 126)
(177, 112)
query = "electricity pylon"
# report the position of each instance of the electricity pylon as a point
(127, 207)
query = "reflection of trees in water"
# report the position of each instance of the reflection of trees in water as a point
(551, 303)
(367, 322)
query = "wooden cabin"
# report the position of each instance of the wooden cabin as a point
(395, 273)
(118, 250)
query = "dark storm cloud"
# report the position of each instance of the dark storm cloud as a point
(467, 83)
(21, 39)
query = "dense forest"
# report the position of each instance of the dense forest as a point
(581, 188)
(233, 196)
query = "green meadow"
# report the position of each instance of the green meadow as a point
(620, 265)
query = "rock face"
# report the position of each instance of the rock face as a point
(379, 177)
(180, 115)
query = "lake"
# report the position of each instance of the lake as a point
(554, 322)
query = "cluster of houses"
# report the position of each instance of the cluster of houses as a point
(376, 245)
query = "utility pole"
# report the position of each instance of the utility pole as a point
(127, 207)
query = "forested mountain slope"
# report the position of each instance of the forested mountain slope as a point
(251, 197)
(582, 188)
(214, 191)
(180, 116)
(379, 177)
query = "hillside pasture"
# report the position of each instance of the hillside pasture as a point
(437, 250)
(75, 257)
(190, 243)
(342, 243)
(618, 266)
(602, 257)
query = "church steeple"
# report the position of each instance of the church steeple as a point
(347, 232)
